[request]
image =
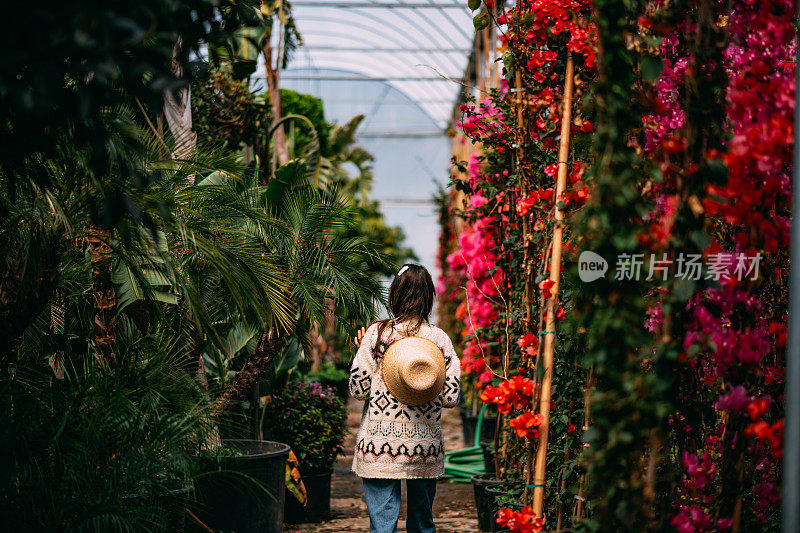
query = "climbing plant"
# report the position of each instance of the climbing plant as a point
(671, 357)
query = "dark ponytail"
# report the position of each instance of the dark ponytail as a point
(411, 297)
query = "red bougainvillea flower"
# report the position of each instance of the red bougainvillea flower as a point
(493, 395)
(522, 521)
(757, 408)
(518, 391)
(672, 145)
(518, 384)
(527, 340)
(526, 425)
(515, 392)
(497, 396)
(546, 284)
(529, 343)
(524, 205)
(779, 331)
(773, 434)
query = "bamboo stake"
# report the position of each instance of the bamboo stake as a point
(580, 499)
(527, 262)
(555, 276)
(562, 477)
(487, 70)
(478, 78)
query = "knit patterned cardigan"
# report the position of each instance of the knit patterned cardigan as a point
(399, 441)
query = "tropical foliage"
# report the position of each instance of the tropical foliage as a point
(145, 299)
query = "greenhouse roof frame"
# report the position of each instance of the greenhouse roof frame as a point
(421, 48)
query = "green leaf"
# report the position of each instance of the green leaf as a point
(215, 178)
(285, 177)
(651, 67)
(481, 22)
(283, 365)
(312, 152)
(684, 288)
(289, 357)
(717, 171)
(294, 485)
(701, 239)
(129, 288)
(237, 338)
(474, 4)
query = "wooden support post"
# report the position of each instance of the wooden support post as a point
(527, 261)
(552, 302)
(578, 512)
(478, 65)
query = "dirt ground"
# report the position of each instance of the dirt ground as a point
(453, 510)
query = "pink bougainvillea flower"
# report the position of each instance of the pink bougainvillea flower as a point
(735, 400)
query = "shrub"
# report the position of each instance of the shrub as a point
(311, 419)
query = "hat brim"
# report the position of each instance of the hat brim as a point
(392, 370)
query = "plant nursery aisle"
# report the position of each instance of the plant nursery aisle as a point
(454, 508)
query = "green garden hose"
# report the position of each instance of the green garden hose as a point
(461, 465)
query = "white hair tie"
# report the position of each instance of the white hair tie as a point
(402, 270)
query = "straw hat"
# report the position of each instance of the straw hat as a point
(413, 370)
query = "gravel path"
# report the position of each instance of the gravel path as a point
(453, 510)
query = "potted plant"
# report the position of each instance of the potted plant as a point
(243, 481)
(503, 496)
(312, 420)
(240, 486)
(484, 503)
(487, 447)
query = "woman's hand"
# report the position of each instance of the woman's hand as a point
(358, 337)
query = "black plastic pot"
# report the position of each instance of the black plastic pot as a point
(488, 456)
(243, 493)
(169, 508)
(484, 503)
(318, 506)
(469, 424)
(494, 493)
(491, 494)
(174, 505)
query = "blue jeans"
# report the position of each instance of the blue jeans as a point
(383, 504)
